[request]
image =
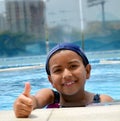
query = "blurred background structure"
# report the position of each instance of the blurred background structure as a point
(27, 27)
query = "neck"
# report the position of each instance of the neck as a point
(76, 100)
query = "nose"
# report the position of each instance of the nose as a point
(67, 74)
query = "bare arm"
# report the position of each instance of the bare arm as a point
(105, 98)
(44, 97)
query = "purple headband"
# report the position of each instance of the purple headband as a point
(66, 46)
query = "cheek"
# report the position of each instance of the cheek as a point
(81, 73)
(54, 80)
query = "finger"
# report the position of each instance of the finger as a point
(27, 108)
(27, 89)
(21, 113)
(25, 100)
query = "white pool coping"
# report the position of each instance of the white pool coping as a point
(93, 113)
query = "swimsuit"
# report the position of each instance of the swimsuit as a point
(56, 104)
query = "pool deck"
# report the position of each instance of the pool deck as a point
(94, 113)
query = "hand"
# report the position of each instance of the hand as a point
(24, 103)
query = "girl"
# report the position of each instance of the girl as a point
(68, 69)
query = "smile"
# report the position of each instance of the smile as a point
(68, 83)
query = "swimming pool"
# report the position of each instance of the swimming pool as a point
(105, 76)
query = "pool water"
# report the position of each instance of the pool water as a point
(105, 78)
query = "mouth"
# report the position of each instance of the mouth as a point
(68, 83)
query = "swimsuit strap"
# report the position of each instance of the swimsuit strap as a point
(56, 96)
(96, 98)
(55, 104)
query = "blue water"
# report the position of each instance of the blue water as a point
(105, 78)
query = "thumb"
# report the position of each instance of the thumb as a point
(27, 89)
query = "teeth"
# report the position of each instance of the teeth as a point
(69, 83)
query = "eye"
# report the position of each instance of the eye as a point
(73, 66)
(57, 70)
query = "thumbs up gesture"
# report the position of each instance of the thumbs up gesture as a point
(24, 103)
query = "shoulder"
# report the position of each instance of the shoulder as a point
(44, 97)
(105, 98)
(45, 92)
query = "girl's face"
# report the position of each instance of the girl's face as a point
(67, 72)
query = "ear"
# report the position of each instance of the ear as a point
(50, 80)
(88, 70)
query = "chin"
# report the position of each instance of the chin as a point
(70, 93)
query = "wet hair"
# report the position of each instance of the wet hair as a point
(66, 46)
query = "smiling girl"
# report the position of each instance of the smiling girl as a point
(68, 69)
